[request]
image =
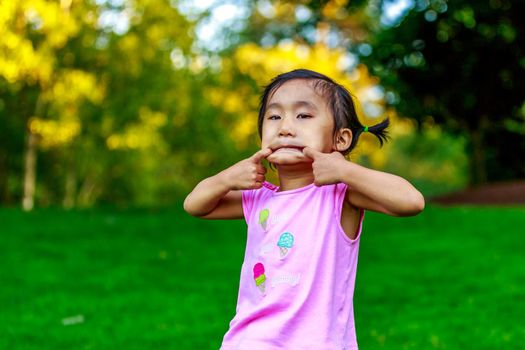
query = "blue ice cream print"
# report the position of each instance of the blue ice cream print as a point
(285, 243)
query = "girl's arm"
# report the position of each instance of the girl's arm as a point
(368, 189)
(219, 196)
(212, 198)
(380, 191)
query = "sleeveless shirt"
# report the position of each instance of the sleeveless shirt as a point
(297, 280)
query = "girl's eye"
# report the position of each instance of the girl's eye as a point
(274, 117)
(304, 116)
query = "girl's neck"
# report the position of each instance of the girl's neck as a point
(291, 178)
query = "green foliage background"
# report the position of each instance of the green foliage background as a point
(124, 114)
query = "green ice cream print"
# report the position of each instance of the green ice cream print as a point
(263, 218)
(285, 243)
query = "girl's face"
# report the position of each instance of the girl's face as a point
(296, 117)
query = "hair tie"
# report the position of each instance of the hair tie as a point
(365, 129)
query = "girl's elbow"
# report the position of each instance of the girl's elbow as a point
(412, 207)
(188, 208)
(193, 208)
(418, 204)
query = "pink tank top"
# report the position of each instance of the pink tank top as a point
(297, 279)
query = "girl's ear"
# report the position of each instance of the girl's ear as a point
(343, 139)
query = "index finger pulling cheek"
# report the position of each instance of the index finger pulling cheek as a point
(259, 156)
(264, 153)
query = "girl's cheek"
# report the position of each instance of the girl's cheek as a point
(264, 142)
(264, 138)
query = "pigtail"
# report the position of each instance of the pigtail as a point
(379, 130)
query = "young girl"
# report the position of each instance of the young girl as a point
(297, 280)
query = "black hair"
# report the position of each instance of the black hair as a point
(339, 99)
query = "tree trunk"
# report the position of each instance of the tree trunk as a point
(4, 174)
(88, 192)
(478, 161)
(71, 188)
(29, 171)
(30, 156)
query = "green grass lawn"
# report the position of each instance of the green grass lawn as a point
(450, 278)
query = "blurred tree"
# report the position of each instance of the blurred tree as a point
(41, 94)
(340, 23)
(121, 106)
(98, 90)
(461, 64)
(149, 97)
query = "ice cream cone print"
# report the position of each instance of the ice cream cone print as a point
(283, 251)
(262, 287)
(285, 243)
(263, 218)
(259, 277)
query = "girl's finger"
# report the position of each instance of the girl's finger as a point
(265, 152)
(259, 178)
(261, 170)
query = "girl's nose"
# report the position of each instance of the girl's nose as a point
(286, 127)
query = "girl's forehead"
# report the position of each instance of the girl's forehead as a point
(297, 89)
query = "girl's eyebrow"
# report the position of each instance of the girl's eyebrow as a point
(296, 104)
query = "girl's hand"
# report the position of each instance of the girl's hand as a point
(248, 173)
(327, 167)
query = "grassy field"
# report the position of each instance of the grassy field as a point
(450, 278)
